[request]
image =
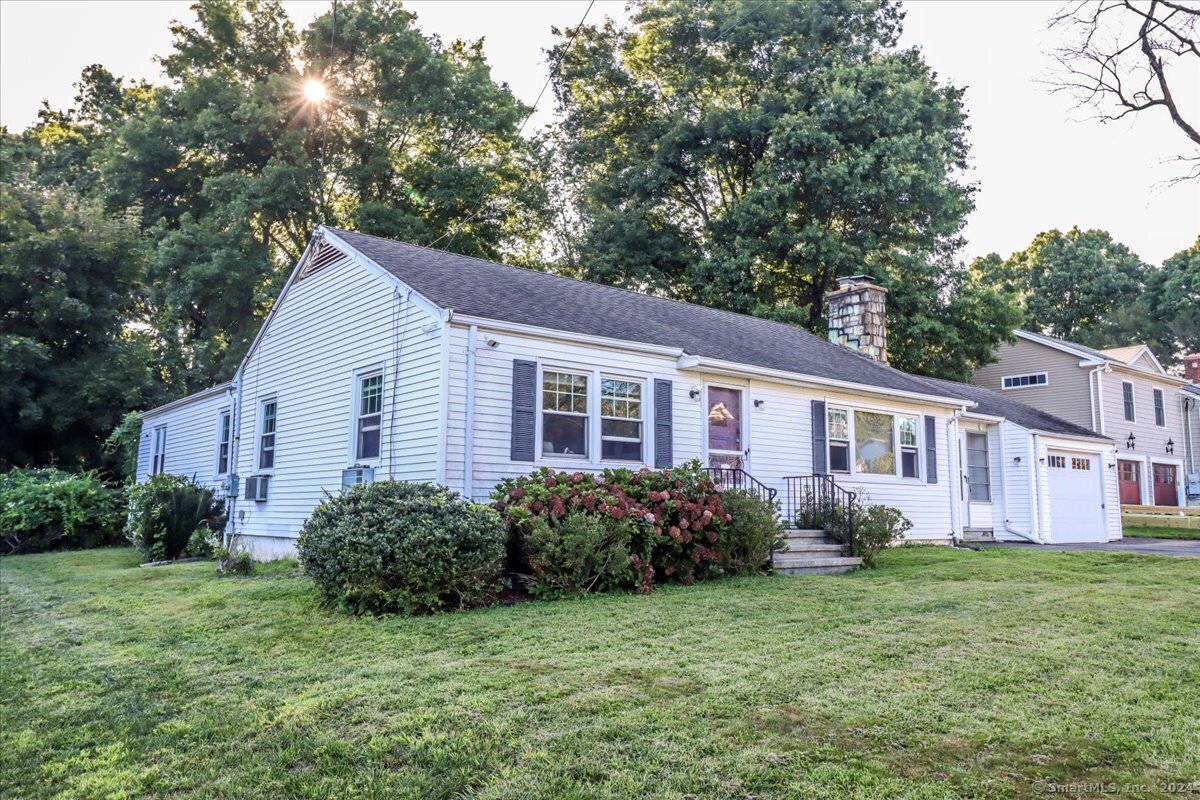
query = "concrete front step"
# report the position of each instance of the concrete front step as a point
(804, 533)
(810, 546)
(786, 565)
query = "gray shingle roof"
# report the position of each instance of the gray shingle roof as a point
(1083, 350)
(494, 291)
(995, 404)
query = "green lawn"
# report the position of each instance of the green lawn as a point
(1139, 532)
(942, 674)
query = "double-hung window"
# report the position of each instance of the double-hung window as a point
(224, 429)
(158, 457)
(979, 486)
(909, 460)
(839, 440)
(1160, 409)
(266, 435)
(565, 414)
(1127, 396)
(369, 417)
(620, 420)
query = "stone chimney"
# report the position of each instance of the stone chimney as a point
(858, 316)
(1191, 367)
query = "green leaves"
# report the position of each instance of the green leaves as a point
(745, 155)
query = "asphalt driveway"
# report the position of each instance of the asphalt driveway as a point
(1148, 547)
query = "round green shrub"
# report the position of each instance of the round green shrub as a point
(49, 509)
(753, 531)
(403, 547)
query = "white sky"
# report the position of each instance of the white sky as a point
(1038, 163)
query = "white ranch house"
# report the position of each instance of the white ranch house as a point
(383, 360)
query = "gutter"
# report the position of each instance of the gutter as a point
(200, 395)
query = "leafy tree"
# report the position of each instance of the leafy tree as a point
(1179, 298)
(70, 363)
(1072, 281)
(745, 155)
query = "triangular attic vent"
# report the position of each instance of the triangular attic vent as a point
(323, 254)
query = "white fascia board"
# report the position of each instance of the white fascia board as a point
(1066, 348)
(362, 260)
(976, 416)
(746, 370)
(1099, 445)
(191, 398)
(1146, 374)
(485, 323)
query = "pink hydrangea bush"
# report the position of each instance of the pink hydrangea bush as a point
(675, 516)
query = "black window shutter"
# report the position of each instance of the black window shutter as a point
(524, 410)
(930, 450)
(818, 437)
(663, 457)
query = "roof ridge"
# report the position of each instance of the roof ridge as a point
(581, 281)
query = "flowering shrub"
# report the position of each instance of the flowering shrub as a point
(675, 516)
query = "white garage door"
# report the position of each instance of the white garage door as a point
(1076, 497)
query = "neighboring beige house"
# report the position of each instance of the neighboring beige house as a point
(1122, 393)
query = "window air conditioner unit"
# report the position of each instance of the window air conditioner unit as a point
(256, 488)
(356, 476)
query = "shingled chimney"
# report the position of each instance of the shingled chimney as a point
(858, 316)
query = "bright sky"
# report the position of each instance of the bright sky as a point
(1038, 163)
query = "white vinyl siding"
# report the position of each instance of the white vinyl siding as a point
(330, 326)
(778, 428)
(192, 432)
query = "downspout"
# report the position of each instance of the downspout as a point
(1093, 382)
(955, 476)
(1008, 527)
(1100, 394)
(469, 438)
(231, 502)
(1035, 484)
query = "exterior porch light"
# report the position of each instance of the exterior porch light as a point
(759, 403)
(1130, 442)
(1170, 447)
(694, 392)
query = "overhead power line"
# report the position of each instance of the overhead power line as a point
(520, 129)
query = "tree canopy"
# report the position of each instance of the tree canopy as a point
(745, 155)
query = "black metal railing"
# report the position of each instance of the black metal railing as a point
(816, 502)
(738, 478)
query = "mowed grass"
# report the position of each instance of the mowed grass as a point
(1139, 532)
(941, 674)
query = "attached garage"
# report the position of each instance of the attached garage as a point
(1076, 496)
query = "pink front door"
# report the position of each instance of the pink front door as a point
(725, 447)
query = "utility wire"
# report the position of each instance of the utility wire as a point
(721, 35)
(325, 116)
(479, 202)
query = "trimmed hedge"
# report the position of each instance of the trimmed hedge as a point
(403, 547)
(49, 509)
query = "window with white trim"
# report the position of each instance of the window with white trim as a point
(874, 443)
(620, 420)
(158, 457)
(839, 440)
(266, 435)
(979, 483)
(1022, 381)
(864, 442)
(564, 414)
(224, 431)
(1160, 409)
(909, 449)
(1127, 396)
(368, 417)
